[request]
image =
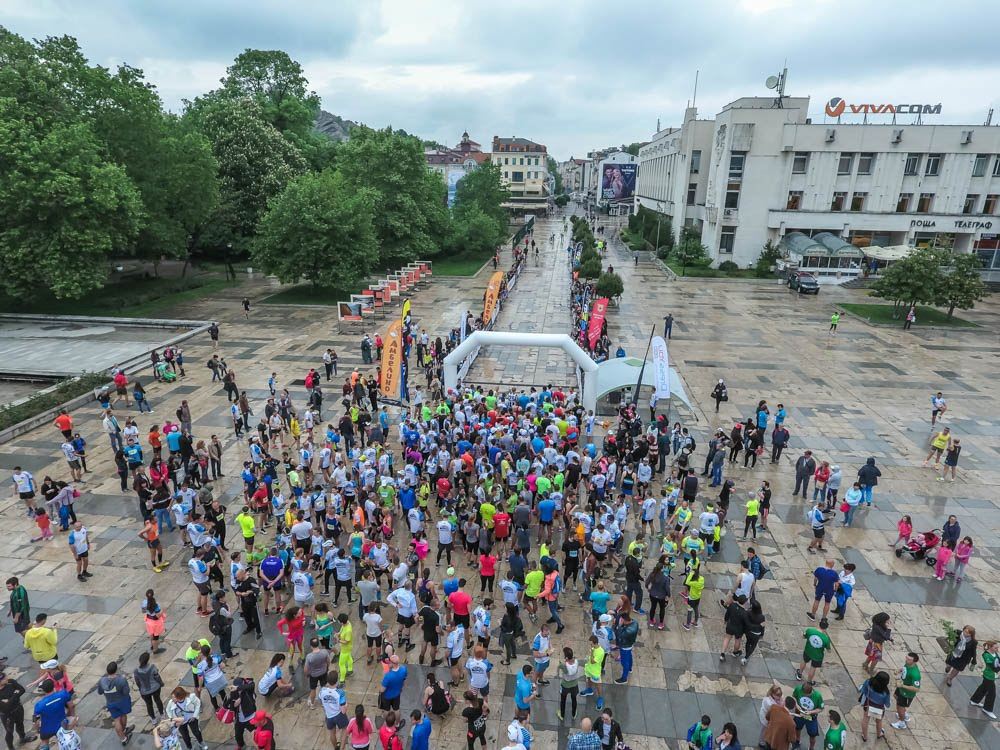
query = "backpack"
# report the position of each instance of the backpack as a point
(394, 742)
(692, 443)
(216, 624)
(557, 585)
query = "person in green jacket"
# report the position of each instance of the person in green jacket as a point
(699, 735)
(20, 608)
(834, 319)
(986, 694)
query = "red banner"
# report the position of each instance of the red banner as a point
(596, 321)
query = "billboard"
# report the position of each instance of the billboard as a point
(618, 181)
(349, 312)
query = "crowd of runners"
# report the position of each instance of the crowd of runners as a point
(433, 531)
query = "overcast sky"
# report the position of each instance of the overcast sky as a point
(574, 75)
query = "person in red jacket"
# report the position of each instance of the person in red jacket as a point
(821, 476)
(263, 732)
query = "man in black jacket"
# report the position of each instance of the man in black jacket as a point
(248, 591)
(12, 712)
(633, 574)
(805, 467)
(609, 730)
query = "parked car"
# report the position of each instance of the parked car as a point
(804, 282)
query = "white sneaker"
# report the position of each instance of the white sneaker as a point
(907, 717)
(989, 713)
(899, 725)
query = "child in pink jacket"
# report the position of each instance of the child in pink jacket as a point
(961, 558)
(944, 554)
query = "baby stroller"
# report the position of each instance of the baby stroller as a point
(919, 546)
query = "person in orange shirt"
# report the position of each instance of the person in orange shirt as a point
(64, 423)
(155, 439)
(151, 535)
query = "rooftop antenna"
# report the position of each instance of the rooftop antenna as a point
(989, 117)
(658, 123)
(694, 99)
(778, 83)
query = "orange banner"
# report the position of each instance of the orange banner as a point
(392, 360)
(492, 295)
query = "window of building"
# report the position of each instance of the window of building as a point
(732, 195)
(912, 165)
(522, 161)
(971, 201)
(866, 162)
(858, 201)
(737, 160)
(727, 240)
(903, 204)
(996, 166)
(979, 165)
(692, 191)
(695, 161)
(846, 162)
(837, 204)
(933, 165)
(800, 162)
(506, 160)
(925, 202)
(517, 176)
(990, 204)
(794, 200)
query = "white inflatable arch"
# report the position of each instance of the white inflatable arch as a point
(511, 338)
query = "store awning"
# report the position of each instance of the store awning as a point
(892, 252)
(835, 245)
(796, 243)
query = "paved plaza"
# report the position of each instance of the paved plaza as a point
(863, 392)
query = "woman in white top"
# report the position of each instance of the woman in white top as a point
(210, 668)
(773, 698)
(373, 630)
(183, 710)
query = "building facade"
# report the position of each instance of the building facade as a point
(757, 172)
(454, 163)
(572, 174)
(525, 172)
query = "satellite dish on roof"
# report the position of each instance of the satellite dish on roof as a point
(772, 82)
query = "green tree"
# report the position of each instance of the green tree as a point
(690, 252)
(276, 82)
(473, 232)
(769, 255)
(255, 164)
(590, 268)
(609, 285)
(410, 207)
(961, 285)
(553, 167)
(483, 189)
(319, 228)
(912, 280)
(63, 209)
(64, 206)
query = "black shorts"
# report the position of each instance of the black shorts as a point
(811, 662)
(339, 721)
(903, 701)
(374, 640)
(471, 546)
(601, 556)
(819, 533)
(462, 620)
(83, 555)
(388, 704)
(203, 588)
(826, 596)
(315, 682)
(432, 638)
(26, 495)
(153, 544)
(406, 622)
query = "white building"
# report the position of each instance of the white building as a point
(757, 172)
(525, 171)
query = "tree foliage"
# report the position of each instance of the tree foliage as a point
(689, 251)
(410, 206)
(912, 280)
(609, 285)
(769, 255)
(553, 166)
(961, 285)
(65, 207)
(483, 188)
(255, 164)
(319, 228)
(590, 268)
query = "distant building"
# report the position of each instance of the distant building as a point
(828, 191)
(524, 169)
(572, 174)
(454, 163)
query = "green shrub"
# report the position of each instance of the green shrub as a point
(728, 265)
(591, 269)
(609, 285)
(40, 402)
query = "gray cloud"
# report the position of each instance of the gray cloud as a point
(575, 75)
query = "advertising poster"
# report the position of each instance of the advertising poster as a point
(661, 367)
(366, 303)
(349, 312)
(618, 181)
(597, 314)
(392, 360)
(492, 295)
(453, 179)
(375, 295)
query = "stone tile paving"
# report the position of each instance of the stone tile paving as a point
(842, 401)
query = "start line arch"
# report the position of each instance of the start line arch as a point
(455, 360)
